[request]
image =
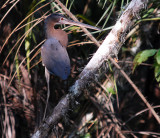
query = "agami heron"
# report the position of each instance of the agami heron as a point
(54, 54)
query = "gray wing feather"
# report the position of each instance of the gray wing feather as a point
(55, 58)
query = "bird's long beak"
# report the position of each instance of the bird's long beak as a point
(70, 22)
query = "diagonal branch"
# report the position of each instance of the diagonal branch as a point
(111, 45)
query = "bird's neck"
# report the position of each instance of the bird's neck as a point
(59, 34)
(49, 29)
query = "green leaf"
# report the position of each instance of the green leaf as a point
(87, 135)
(72, 28)
(105, 13)
(158, 57)
(111, 90)
(135, 63)
(148, 13)
(143, 56)
(157, 72)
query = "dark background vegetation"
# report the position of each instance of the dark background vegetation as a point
(23, 96)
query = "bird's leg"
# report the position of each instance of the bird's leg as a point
(47, 75)
(66, 85)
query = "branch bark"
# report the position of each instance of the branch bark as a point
(111, 45)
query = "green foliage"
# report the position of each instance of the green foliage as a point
(87, 135)
(149, 12)
(111, 90)
(104, 14)
(158, 57)
(30, 35)
(17, 67)
(144, 55)
(157, 72)
(157, 66)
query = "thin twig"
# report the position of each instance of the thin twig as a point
(131, 62)
(140, 112)
(9, 11)
(5, 4)
(154, 134)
